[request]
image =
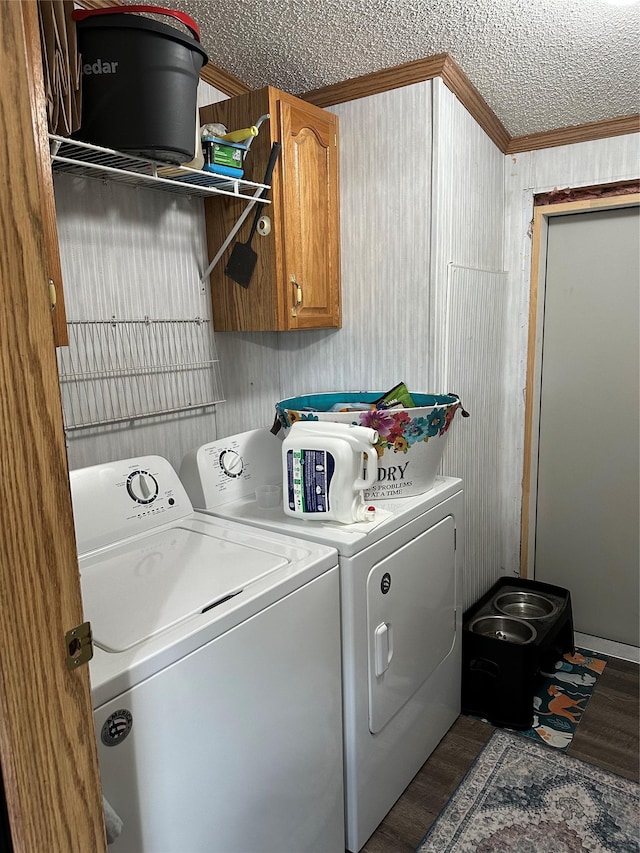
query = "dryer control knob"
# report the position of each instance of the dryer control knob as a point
(231, 463)
(142, 487)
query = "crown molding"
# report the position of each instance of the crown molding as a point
(223, 81)
(457, 82)
(443, 65)
(577, 133)
(377, 82)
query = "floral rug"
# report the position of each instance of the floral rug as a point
(562, 696)
(521, 797)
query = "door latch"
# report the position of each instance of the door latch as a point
(79, 645)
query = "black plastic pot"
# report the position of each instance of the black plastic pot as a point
(139, 82)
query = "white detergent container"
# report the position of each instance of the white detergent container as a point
(326, 467)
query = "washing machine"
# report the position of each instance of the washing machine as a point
(400, 587)
(216, 676)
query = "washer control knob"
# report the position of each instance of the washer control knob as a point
(142, 487)
(231, 463)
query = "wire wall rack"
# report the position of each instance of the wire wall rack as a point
(93, 161)
(121, 370)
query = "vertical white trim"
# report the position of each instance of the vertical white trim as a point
(436, 336)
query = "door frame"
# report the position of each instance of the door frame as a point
(540, 224)
(48, 751)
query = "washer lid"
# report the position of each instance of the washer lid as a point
(136, 590)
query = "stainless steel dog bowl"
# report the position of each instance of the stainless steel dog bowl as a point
(525, 605)
(506, 628)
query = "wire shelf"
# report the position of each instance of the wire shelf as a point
(92, 161)
(120, 370)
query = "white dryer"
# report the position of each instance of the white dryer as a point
(400, 583)
(216, 676)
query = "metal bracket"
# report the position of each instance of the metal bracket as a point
(79, 645)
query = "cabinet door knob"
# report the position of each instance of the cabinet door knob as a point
(298, 302)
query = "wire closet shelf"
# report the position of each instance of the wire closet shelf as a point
(92, 161)
(115, 371)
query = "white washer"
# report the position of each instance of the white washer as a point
(216, 679)
(400, 583)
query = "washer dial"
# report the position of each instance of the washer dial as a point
(142, 487)
(231, 463)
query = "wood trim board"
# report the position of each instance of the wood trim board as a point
(578, 133)
(48, 751)
(541, 214)
(377, 82)
(443, 65)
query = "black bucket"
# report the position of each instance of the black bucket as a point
(139, 82)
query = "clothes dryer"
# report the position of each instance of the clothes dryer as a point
(400, 585)
(216, 678)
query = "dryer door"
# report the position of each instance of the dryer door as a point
(410, 618)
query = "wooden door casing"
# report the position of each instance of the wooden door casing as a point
(47, 742)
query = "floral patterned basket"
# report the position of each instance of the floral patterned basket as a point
(411, 441)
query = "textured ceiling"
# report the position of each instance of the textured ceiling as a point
(539, 64)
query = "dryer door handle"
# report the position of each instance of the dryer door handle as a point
(383, 639)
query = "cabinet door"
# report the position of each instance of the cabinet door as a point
(310, 216)
(256, 307)
(42, 166)
(304, 237)
(411, 622)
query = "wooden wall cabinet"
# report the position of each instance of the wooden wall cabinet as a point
(296, 282)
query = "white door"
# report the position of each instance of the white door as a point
(411, 614)
(586, 536)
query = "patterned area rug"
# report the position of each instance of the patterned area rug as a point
(562, 697)
(521, 797)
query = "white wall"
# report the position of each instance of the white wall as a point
(432, 214)
(385, 202)
(599, 162)
(467, 339)
(130, 253)
(421, 194)
(133, 253)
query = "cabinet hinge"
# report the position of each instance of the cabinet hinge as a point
(335, 140)
(79, 645)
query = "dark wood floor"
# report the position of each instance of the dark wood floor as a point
(607, 737)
